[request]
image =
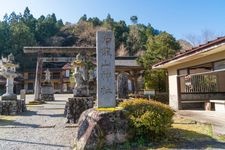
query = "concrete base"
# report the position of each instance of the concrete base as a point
(75, 106)
(219, 105)
(99, 128)
(47, 92)
(12, 107)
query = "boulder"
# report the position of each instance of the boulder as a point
(99, 128)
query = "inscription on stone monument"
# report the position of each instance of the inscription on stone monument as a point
(105, 49)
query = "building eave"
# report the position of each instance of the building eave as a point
(191, 55)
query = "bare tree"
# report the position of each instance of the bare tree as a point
(193, 39)
(205, 36)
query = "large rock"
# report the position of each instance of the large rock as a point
(101, 128)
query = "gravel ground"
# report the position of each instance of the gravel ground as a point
(42, 127)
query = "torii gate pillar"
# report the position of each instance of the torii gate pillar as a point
(38, 79)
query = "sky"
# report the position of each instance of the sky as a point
(178, 17)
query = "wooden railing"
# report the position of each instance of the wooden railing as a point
(209, 82)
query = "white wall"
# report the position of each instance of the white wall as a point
(173, 89)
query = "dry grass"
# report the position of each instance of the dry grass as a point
(193, 130)
(184, 134)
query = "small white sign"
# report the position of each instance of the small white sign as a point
(149, 92)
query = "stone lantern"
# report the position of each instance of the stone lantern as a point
(8, 71)
(80, 76)
(81, 99)
(10, 105)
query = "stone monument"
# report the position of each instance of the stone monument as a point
(104, 125)
(47, 91)
(105, 51)
(122, 86)
(81, 100)
(9, 104)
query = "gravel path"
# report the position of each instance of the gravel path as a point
(42, 127)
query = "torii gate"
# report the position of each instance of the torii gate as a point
(40, 51)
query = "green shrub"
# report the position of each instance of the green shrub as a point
(148, 118)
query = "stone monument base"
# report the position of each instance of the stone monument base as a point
(12, 107)
(99, 128)
(75, 106)
(47, 97)
(47, 92)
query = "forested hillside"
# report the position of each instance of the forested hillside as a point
(19, 30)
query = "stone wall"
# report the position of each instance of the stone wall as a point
(75, 106)
(12, 107)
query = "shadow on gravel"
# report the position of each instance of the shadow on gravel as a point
(36, 143)
(28, 113)
(52, 115)
(15, 124)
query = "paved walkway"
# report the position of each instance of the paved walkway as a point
(217, 119)
(42, 127)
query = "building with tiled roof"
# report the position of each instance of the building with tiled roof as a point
(197, 77)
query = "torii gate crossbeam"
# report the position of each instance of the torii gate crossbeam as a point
(53, 50)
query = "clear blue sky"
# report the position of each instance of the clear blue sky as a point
(178, 17)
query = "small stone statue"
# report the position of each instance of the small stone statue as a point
(47, 75)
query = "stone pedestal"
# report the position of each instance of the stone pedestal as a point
(81, 91)
(100, 128)
(47, 92)
(75, 106)
(12, 107)
(9, 97)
